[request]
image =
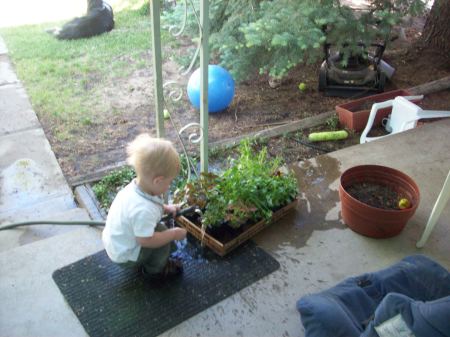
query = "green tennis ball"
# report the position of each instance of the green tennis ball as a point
(302, 86)
(327, 135)
(166, 114)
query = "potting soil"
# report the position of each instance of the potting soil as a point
(376, 195)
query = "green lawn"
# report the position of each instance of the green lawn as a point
(64, 78)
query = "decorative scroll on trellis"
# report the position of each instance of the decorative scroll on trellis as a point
(173, 91)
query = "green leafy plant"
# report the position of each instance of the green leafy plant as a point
(180, 180)
(249, 190)
(106, 189)
(332, 122)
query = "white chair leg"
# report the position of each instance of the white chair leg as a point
(436, 212)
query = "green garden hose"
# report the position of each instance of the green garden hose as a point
(45, 222)
(184, 211)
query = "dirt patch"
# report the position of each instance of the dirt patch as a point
(126, 108)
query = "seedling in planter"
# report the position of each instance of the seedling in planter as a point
(249, 190)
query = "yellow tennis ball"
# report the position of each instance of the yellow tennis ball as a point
(166, 114)
(302, 86)
(404, 203)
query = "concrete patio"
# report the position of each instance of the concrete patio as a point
(315, 249)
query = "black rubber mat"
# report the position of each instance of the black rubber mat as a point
(113, 301)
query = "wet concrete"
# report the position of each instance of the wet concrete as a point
(317, 180)
(32, 185)
(318, 207)
(32, 181)
(314, 248)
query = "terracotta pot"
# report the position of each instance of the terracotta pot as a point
(354, 114)
(371, 221)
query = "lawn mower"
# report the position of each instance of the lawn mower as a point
(361, 75)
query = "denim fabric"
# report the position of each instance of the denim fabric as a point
(153, 260)
(424, 319)
(346, 309)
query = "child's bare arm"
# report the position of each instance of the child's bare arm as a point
(160, 239)
(172, 208)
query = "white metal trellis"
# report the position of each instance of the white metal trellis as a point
(203, 50)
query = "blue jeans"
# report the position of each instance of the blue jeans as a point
(152, 260)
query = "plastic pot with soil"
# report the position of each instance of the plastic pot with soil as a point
(377, 201)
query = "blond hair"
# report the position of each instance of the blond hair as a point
(153, 157)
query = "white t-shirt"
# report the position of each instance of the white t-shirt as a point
(133, 213)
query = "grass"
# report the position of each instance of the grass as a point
(64, 78)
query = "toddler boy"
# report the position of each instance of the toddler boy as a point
(133, 236)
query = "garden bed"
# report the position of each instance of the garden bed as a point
(85, 197)
(228, 242)
(230, 207)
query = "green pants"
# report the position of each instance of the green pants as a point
(153, 260)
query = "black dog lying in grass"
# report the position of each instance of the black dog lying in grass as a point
(98, 20)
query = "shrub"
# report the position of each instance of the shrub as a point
(273, 36)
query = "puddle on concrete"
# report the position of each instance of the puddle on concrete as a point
(318, 207)
(23, 183)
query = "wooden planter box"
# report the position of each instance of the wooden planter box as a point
(224, 248)
(85, 197)
(354, 114)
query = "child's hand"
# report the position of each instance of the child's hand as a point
(172, 209)
(178, 233)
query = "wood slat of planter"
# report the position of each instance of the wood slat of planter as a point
(224, 248)
(85, 197)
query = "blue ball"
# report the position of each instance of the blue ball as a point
(220, 88)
